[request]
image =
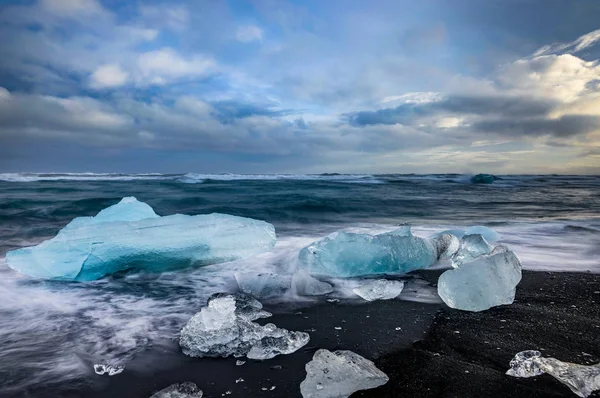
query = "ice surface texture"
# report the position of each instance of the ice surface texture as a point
(471, 247)
(268, 285)
(487, 281)
(344, 254)
(379, 289)
(581, 379)
(339, 374)
(111, 370)
(225, 327)
(180, 390)
(129, 235)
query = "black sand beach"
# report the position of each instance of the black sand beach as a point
(438, 352)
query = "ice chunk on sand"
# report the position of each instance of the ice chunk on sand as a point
(485, 282)
(180, 390)
(130, 236)
(246, 307)
(111, 370)
(471, 247)
(263, 285)
(581, 379)
(339, 374)
(446, 245)
(379, 289)
(345, 254)
(225, 327)
(305, 285)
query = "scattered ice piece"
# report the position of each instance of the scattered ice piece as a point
(488, 281)
(239, 362)
(306, 285)
(339, 374)
(179, 390)
(225, 327)
(333, 300)
(110, 370)
(471, 247)
(380, 289)
(240, 380)
(272, 388)
(488, 234)
(446, 245)
(398, 328)
(263, 285)
(338, 328)
(264, 388)
(581, 379)
(130, 236)
(227, 392)
(345, 254)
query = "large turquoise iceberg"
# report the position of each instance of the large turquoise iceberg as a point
(131, 236)
(344, 254)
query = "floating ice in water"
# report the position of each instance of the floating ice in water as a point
(345, 254)
(129, 235)
(224, 327)
(483, 179)
(379, 289)
(263, 285)
(306, 285)
(110, 370)
(485, 282)
(471, 247)
(581, 379)
(180, 390)
(339, 374)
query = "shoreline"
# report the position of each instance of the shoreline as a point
(425, 358)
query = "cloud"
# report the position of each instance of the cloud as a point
(109, 75)
(160, 66)
(249, 33)
(582, 43)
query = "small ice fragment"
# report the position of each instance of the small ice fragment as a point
(130, 236)
(337, 328)
(581, 379)
(227, 392)
(339, 374)
(239, 362)
(471, 247)
(488, 234)
(225, 327)
(263, 285)
(333, 300)
(306, 285)
(240, 380)
(379, 289)
(110, 370)
(345, 254)
(264, 388)
(488, 281)
(398, 328)
(446, 245)
(272, 388)
(179, 390)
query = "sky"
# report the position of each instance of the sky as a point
(291, 86)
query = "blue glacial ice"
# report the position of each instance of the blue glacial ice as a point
(344, 254)
(489, 234)
(471, 247)
(487, 281)
(130, 236)
(483, 179)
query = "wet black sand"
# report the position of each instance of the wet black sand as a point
(438, 352)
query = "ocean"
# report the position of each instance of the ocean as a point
(51, 333)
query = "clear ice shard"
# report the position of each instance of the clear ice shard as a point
(306, 285)
(487, 281)
(263, 285)
(380, 289)
(344, 254)
(581, 379)
(488, 234)
(225, 327)
(471, 247)
(130, 236)
(269, 285)
(180, 390)
(110, 370)
(339, 374)
(446, 245)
